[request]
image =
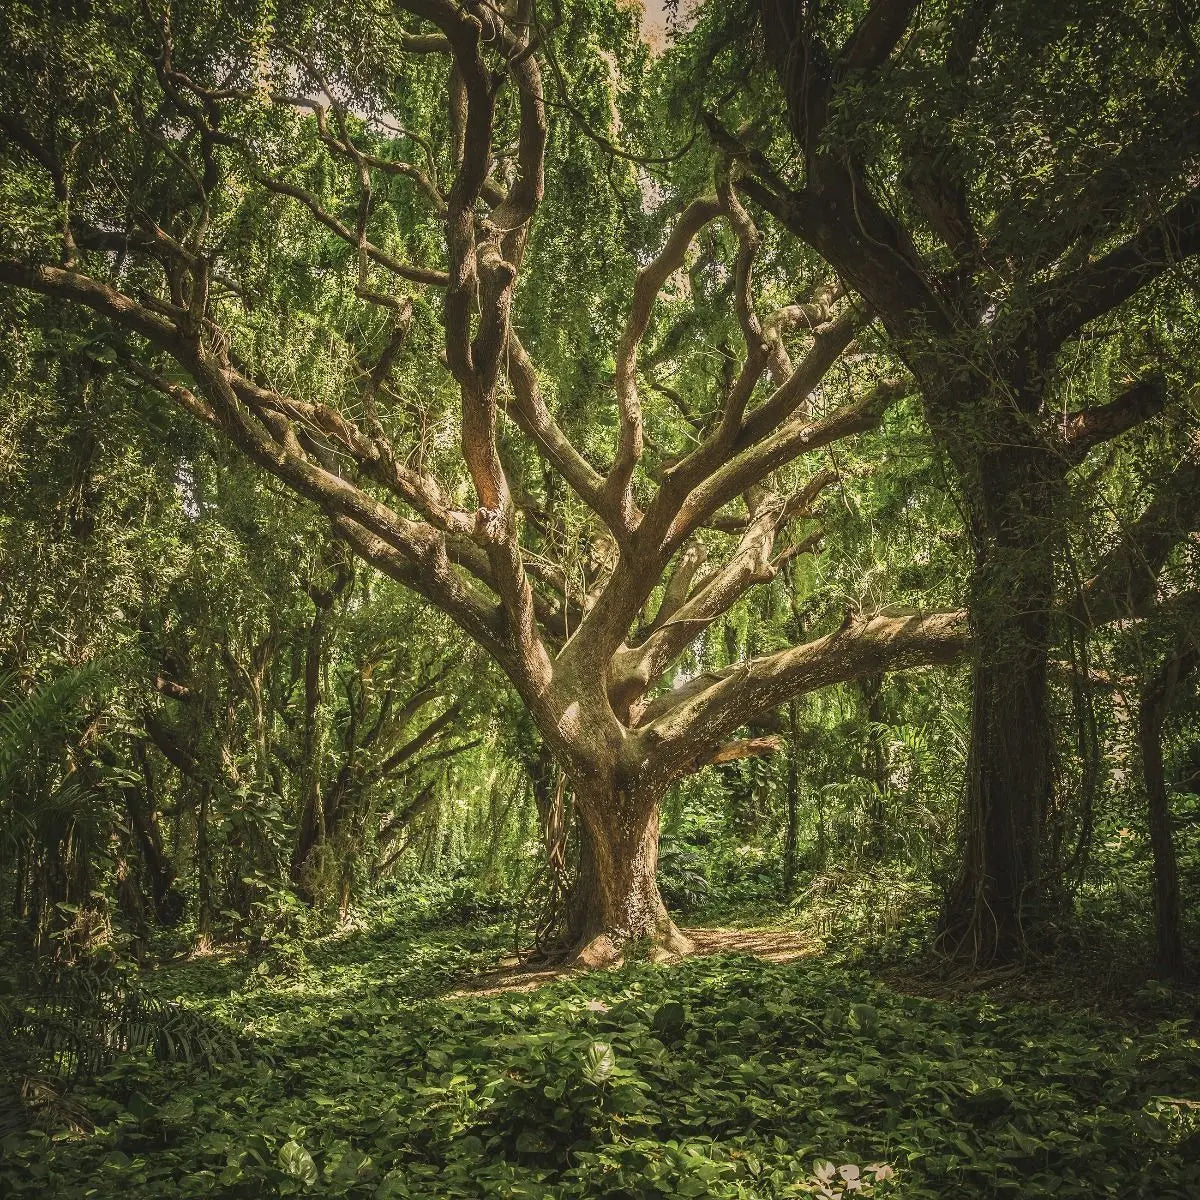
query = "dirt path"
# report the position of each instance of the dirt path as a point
(773, 945)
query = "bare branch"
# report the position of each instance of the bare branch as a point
(400, 269)
(430, 733)
(650, 281)
(679, 585)
(876, 35)
(787, 443)
(708, 708)
(634, 669)
(529, 410)
(1080, 432)
(755, 747)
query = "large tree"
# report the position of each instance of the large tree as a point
(161, 158)
(1001, 182)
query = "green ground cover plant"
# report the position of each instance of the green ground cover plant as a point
(365, 1075)
(497, 489)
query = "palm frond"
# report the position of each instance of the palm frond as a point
(66, 1026)
(35, 719)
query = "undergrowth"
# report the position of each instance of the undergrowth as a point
(718, 1077)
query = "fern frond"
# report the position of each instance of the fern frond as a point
(70, 1025)
(33, 722)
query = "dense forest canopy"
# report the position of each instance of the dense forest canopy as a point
(459, 448)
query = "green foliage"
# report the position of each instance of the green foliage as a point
(683, 878)
(78, 1021)
(724, 1077)
(62, 1028)
(37, 725)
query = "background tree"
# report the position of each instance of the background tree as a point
(1001, 187)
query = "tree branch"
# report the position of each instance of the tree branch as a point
(1068, 304)
(1125, 583)
(710, 707)
(1080, 432)
(650, 281)
(876, 36)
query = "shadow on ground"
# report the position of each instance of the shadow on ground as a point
(771, 945)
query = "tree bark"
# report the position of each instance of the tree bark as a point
(157, 868)
(166, 897)
(1010, 763)
(311, 812)
(312, 829)
(616, 898)
(1152, 714)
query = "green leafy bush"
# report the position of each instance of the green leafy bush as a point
(721, 1077)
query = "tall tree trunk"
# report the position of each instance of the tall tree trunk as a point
(312, 813)
(792, 834)
(166, 897)
(131, 905)
(204, 868)
(1152, 713)
(1010, 762)
(549, 794)
(616, 898)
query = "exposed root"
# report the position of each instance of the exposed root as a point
(773, 945)
(676, 942)
(601, 951)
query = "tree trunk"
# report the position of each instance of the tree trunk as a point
(1152, 713)
(311, 830)
(616, 898)
(792, 834)
(166, 897)
(132, 908)
(1010, 762)
(204, 869)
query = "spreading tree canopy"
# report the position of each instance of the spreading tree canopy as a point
(575, 343)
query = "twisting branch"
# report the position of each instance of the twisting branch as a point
(752, 562)
(650, 282)
(358, 240)
(1070, 303)
(528, 409)
(876, 35)
(788, 442)
(1081, 432)
(758, 349)
(484, 259)
(710, 707)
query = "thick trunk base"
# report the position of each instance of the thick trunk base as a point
(1000, 891)
(616, 910)
(1009, 788)
(665, 945)
(1152, 714)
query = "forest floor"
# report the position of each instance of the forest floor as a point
(771, 944)
(366, 1071)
